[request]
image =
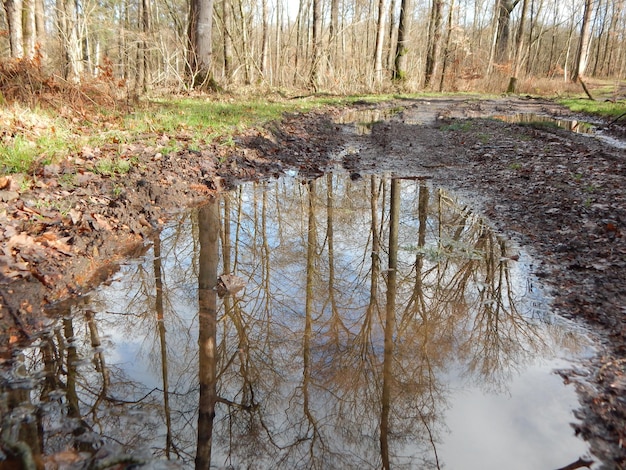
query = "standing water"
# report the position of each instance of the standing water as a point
(327, 324)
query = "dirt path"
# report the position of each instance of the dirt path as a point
(560, 194)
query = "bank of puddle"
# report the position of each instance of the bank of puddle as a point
(362, 121)
(308, 324)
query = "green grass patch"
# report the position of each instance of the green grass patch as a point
(112, 166)
(600, 108)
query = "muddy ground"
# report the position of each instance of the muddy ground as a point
(561, 195)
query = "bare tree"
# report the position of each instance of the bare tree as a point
(582, 55)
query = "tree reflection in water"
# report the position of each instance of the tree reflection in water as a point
(365, 302)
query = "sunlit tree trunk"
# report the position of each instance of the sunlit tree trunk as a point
(402, 45)
(13, 10)
(582, 54)
(380, 38)
(209, 232)
(200, 46)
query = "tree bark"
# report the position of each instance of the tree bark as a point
(504, 10)
(446, 52)
(13, 9)
(434, 41)
(582, 55)
(519, 39)
(67, 20)
(380, 37)
(400, 63)
(227, 41)
(200, 44)
(317, 45)
(264, 39)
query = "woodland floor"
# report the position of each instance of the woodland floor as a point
(559, 194)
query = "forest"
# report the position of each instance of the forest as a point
(335, 46)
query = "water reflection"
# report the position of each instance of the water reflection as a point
(580, 127)
(369, 308)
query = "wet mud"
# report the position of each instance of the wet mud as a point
(559, 194)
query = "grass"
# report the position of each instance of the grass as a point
(600, 108)
(112, 166)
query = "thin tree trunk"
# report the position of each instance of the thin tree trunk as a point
(392, 23)
(227, 41)
(314, 81)
(333, 32)
(380, 37)
(446, 52)
(582, 55)
(519, 39)
(264, 39)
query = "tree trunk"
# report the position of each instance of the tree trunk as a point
(582, 55)
(400, 63)
(504, 9)
(333, 32)
(519, 39)
(227, 41)
(264, 39)
(13, 9)
(446, 52)
(434, 40)
(199, 48)
(28, 28)
(68, 27)
(380, 37)
(314, 81)
(40, 25)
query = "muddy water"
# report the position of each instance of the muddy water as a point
(323, 324)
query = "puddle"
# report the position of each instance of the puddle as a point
(363, 119)
(580, 127)
(366, 324)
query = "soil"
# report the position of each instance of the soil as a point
(559, 194)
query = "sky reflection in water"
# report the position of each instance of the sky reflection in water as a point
(381, 324)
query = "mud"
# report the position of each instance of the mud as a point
(559, 194)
